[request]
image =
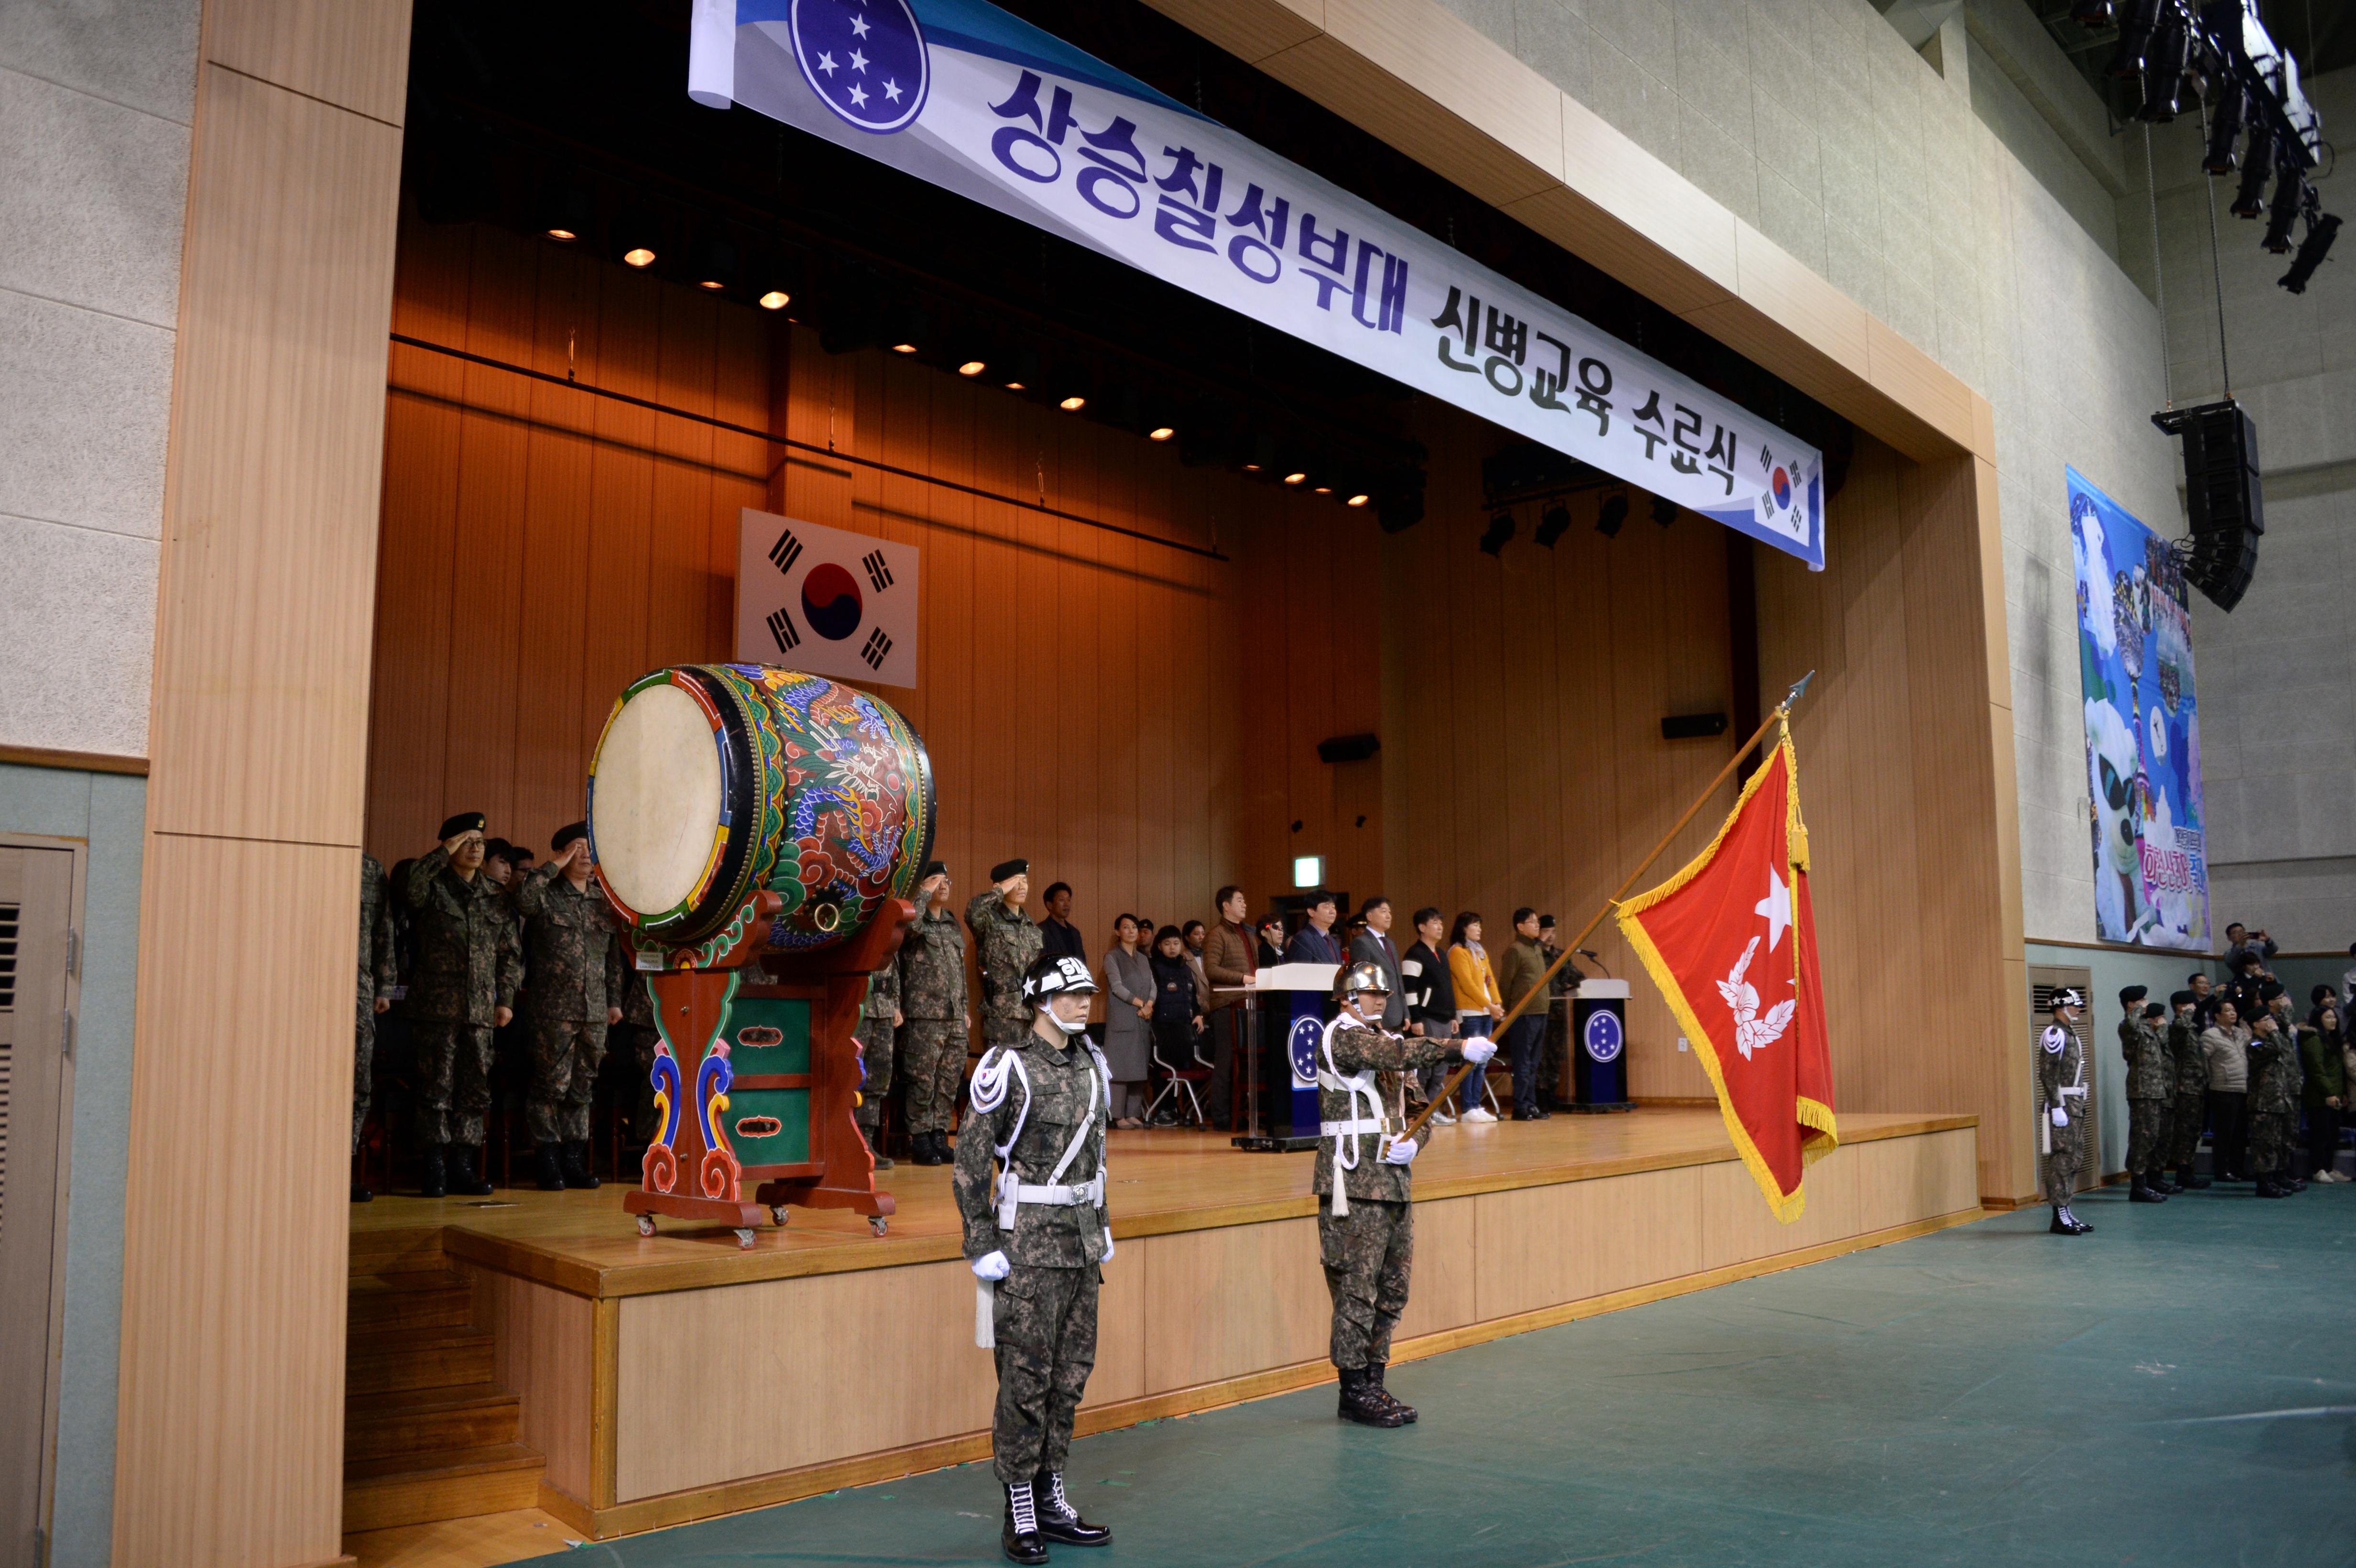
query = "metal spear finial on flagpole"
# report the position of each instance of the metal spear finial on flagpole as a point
(1781, 715)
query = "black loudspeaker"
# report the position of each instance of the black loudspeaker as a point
(2223, 497)
(1348, 748)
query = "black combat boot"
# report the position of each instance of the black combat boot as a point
(1375, 1370)
(2269, 1188)
(1059, 1521)
(361, 1194)
(1019, 1536)
(549, 1166)
(431, 1182)
(2192, 1181)
(1362, 1403)
(940, 1148)
(466, 1161)
(576, 1166)
(2139, 1191)
(874, 1135)
(2065, 1223)
(2161, 1184)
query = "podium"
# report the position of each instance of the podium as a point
(1298, 1000)
(1598, 1047)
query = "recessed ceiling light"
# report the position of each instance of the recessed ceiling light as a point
(1159, 432)
(775, 299)
(639, 256)
(565, 234)
(1294, 478)
(1324, 489)
(904, 349)
(1355, 501)
(1014, 385)
(713, 284)
(1073, 405)
(972, 367)
(1251, 467)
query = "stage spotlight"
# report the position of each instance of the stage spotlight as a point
(1159, 432)
(2135, 28)
(2320, 232)
(715, 264)
(1501, 528)
(2290, 191)
(972, 367)
(1613, 513)
(1358, 500)
(1665, 511)
(1553, 523)
(2163, 77)
(2224, 131)
(2250, 200)
(1073, 405)
(566, 210)
(775, 299)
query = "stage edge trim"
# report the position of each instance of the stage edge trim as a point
(891, 1463)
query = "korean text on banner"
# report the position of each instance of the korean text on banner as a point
(963, 95)
(824, 600)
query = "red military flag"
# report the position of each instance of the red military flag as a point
(1732, 941)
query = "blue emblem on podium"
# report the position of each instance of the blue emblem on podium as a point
(1604, 1036)
(866, 59)
(1301, 1045)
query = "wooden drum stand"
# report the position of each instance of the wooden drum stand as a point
(777, 1076)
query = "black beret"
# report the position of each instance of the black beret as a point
(1005, 869)
(2133, 993)
(2318, 993)
(932, 868)
(1546, 922)
(2270, 990)
(566, 835)
(464, 822)
(2155, 1011)
(496, 849)
(2181, 998)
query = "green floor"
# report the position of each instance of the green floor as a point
(2177, 1388)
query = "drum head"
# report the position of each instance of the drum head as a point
(657, 809)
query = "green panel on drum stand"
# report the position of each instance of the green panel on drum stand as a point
(767, 1035)
(756, 1109)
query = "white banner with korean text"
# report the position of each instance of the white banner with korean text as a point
(963, 95)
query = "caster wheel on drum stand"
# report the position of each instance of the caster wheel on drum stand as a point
(777, 1212)
(744, 1238)
(879, 1223)
(645, 1224)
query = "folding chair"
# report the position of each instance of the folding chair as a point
(1177, 1078)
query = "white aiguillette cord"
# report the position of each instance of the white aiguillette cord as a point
(985, 1291)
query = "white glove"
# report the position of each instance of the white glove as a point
(1107, 1257)
(2061, 1117)
(991, 1266)
(1401, 1152)
(1478, 1050)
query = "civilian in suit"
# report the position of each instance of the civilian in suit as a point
(1373, 946)
(1229, 961)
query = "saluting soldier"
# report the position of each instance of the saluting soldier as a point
(879, 1018)
(377, 978)
(932, 999)
(2276, 1078)
(2060, 1108)
(1005, 945)
(2189, 1108)
(575, 956)
(1365, 1225)
(2148, 1091)
(1037, 1235)
(468, 964)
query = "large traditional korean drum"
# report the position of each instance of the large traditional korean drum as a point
(713, 781)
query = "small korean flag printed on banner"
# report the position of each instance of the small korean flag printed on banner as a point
(825, 601)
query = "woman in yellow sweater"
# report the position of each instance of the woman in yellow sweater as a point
(1477, 1005)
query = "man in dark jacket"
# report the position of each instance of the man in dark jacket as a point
(1313, 943)
(1524, 962)
(1373, 946)
(1430, 998)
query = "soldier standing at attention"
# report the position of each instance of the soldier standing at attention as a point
(378, 976)
(2147, 1094)
(932, 997)
(1005, 944)
(2061, 1073)
(2190, 1106)
(1037, 1235)
(1365, 1225)
(574, 957)
(469, 963)
(878, 1021)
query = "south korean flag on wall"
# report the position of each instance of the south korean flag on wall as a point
(825, 601)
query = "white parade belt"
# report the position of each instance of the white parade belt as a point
(1349, 1129)
(1088, 1191)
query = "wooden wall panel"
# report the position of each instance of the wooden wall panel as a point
(544, 1352)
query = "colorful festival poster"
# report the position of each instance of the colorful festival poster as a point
(2143, 729)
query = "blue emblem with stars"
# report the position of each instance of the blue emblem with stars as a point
(864, 59)
(1603, 1038)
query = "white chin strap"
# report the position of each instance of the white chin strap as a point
(1048, 1012)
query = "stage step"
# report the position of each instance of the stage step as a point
(416, 1489)
(388, 1360)
(413, 1251)
(439, 1298)
(429, 1420)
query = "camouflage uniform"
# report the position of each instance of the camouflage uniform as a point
(636, 1035)
(932, 999)
(468, 962)
(2061, 1064)
(1043, 1313)
(377, 978)
(574, 957)
(2189, 1108)
(1004, 943)
(2274, 1079)
(875, 1037)
(2149, 1088)
(1366, 1244)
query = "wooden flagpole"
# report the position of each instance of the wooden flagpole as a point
(1783, 711)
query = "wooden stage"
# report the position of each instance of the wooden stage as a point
(678, 1376)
